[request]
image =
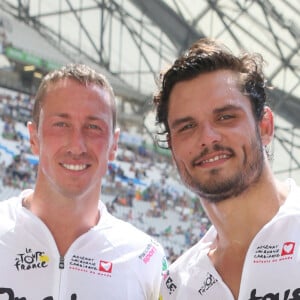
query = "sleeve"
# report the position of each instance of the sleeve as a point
(156, 263)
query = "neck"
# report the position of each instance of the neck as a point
(237, 220)
(67, 219)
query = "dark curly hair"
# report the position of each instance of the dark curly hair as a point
(207, 55)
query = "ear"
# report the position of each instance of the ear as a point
(114, 147)
(266, 126)
(33, 138)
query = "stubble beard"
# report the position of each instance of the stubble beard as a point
(220, 188)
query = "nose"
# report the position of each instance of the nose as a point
(209, 135)
(76, 142)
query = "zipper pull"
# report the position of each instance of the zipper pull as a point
(61, 262)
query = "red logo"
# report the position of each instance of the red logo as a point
(105, 266)
(288, 248)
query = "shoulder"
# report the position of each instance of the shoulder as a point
(188, 270)
(8, 213)
(196, 253)
(142, 255)
(127, 233)
(9, 209)
(188, 260)
(125, 236)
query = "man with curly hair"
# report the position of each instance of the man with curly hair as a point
(212, 111)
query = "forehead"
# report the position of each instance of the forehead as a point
(74, 98)
(64, 84)
(207, 90)
(206, 94)
(72, 90)
(207, 83)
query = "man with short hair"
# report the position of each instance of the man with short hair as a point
(58, 241)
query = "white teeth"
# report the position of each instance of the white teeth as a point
(75, 167)
(215, 158)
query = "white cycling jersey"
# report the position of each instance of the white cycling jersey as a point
(113, 260)
(271, 269)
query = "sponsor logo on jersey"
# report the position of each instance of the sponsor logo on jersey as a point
(31, 259)
(90, 265)
(148, 253)
(11, 295)
(284, 295)
(83, 263)
(170, 285)
(288, 248)
(274, 253)
(164, 264)
(208, 282)
(105, 266)
(165, 271)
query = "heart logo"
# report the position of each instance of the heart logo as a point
(105, 266)
(288, 248)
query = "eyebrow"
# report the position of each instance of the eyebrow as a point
(226, 108)
(180, 121)
(61, 115)
(67, 116)
(216, 111)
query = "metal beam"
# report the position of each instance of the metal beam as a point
(173, 25)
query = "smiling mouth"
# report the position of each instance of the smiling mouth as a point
(211, 160)
(73, 167)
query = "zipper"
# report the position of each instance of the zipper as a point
(61, 266)
(61, 262)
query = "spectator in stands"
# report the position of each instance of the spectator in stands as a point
(59, 238)
(9, 129)
(212, 105)
(130, 195)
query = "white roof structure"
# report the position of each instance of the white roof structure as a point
(132, 40)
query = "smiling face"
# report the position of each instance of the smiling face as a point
(215, 140)
(74, 139)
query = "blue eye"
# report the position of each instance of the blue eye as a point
(94, 126)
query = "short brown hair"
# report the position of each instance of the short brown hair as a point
(79, 72)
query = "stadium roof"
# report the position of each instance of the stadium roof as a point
(132, 40)
(135, 39)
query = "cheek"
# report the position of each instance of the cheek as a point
(181, 155)
(100, 148)
(182, 149)
(49, 144)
